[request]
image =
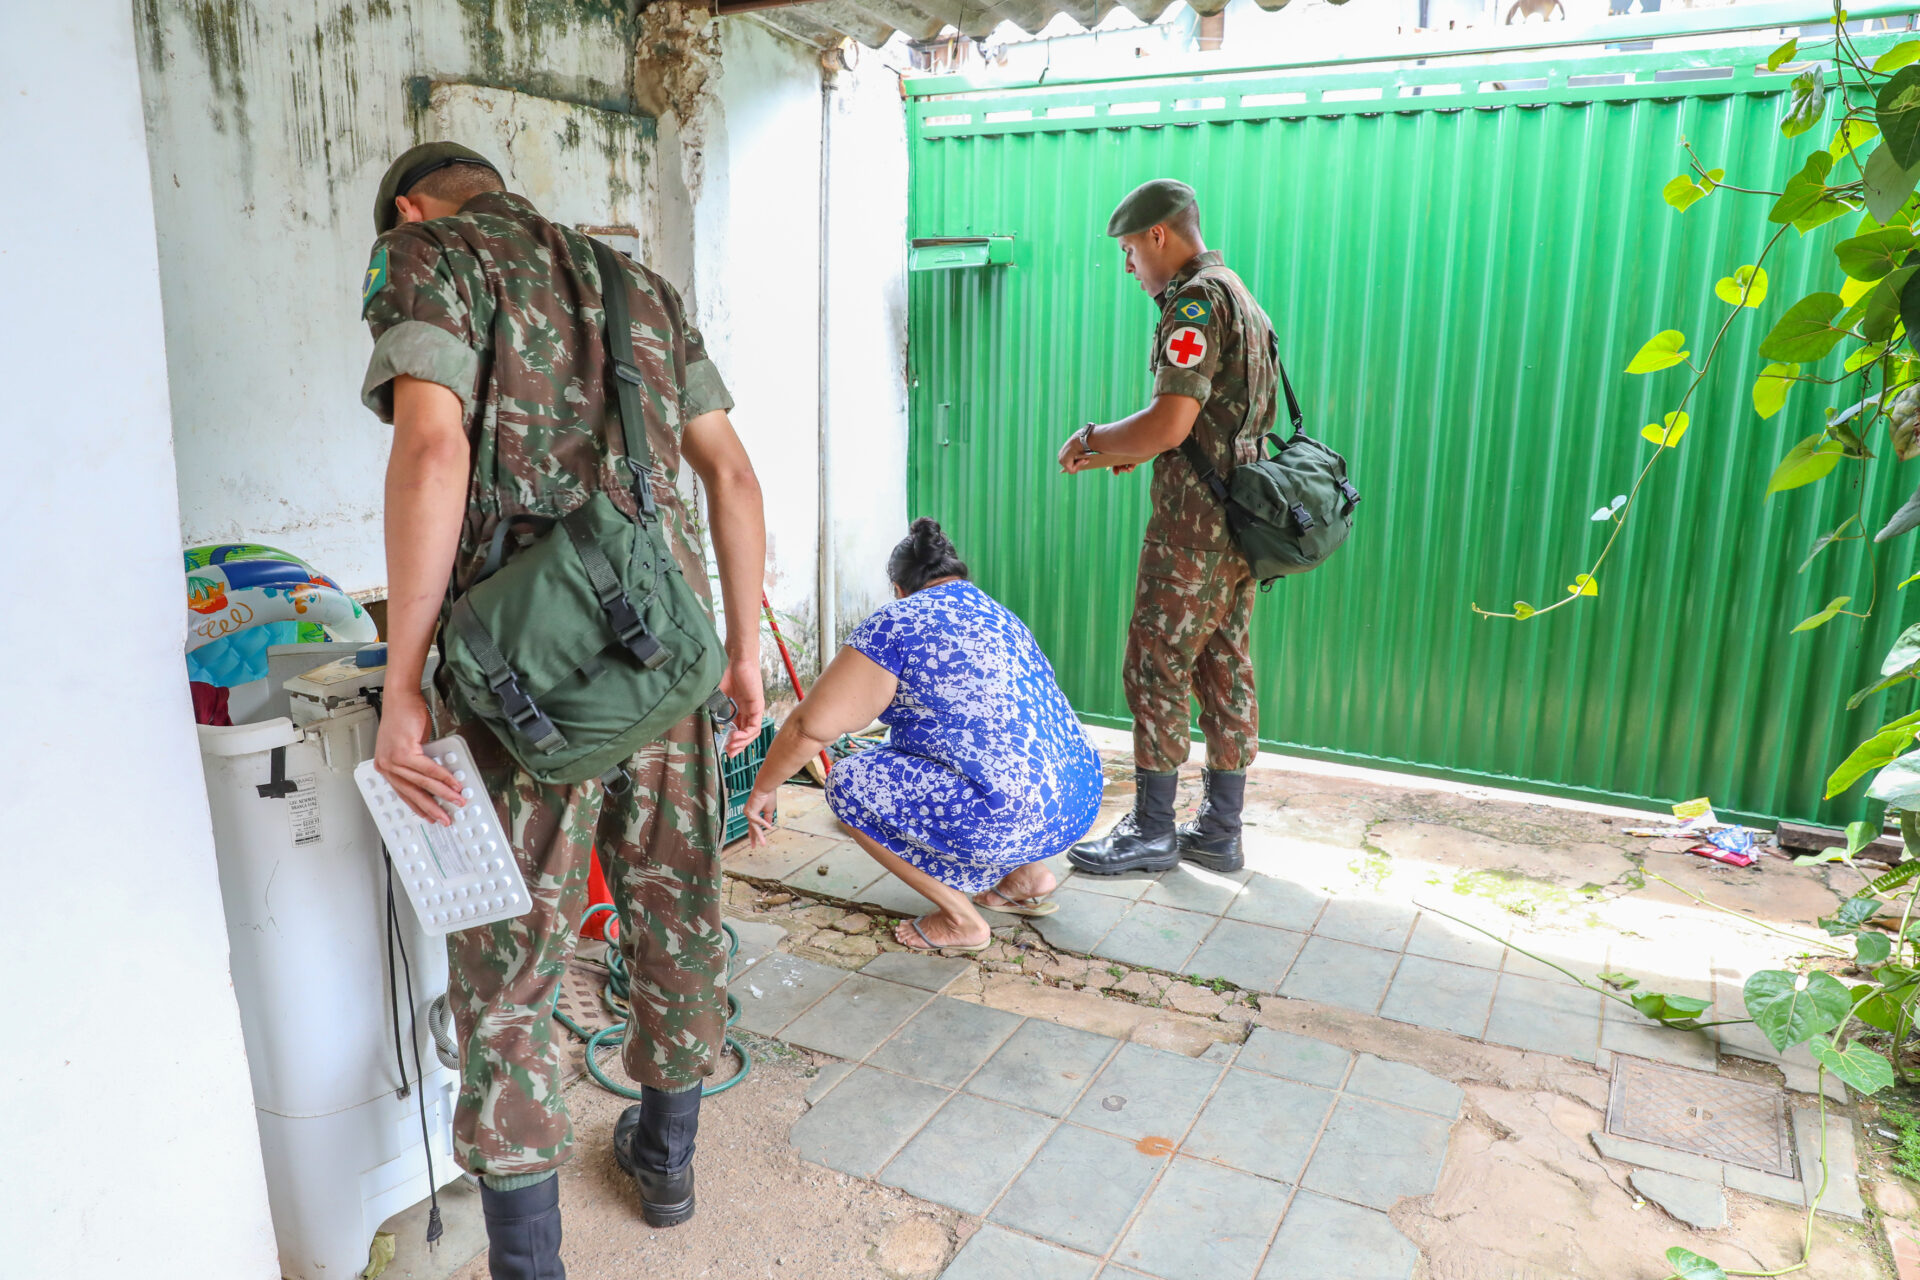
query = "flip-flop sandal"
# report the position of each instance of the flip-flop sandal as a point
(922, 935)
(1018, 906)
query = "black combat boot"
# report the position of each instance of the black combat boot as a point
(523, 1231)
(1212, 840)
(654, 1144)
(1144, 840)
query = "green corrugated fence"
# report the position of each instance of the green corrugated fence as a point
(1460, 261)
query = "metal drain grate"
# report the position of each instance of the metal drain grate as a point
(1704, 1115)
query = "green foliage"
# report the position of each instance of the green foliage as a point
(1791, 1009)
(1805, 332)
(1876, 254)
(1897, 112)
(1859, 1067)
(1806, 104)
(1826, 615)
(1661, 351)
(1906, 1147)
(1806, 462)
(1688, 1265)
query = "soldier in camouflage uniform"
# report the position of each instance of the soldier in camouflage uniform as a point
(1214, 380)
(487, 321)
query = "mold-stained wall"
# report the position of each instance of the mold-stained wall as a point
(271, 122)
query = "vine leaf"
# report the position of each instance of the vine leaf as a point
(1864, 356)
(1770, 388)
(1858, 1066)
(1746, 287)
(1584, 584)
(1805, 332)
(1910, 295)
(1907, 517)
(1882, 311)
(1522, 610)
(1688, 1265)
(1792, 1008)
(1886, 184)
(1783, 55)
(1805, 104)
(1826, 615)
(1806, 462)
(1869, 949)
(1669, 435)
(1875, 254)
(1662, 351)
(1805, 189)
(1898, 783)
(1897, 57)
(1851, 137)
(1877, 752)
(1827, 540)
(1674, 1011)
(1897, 108)
(1682, 192)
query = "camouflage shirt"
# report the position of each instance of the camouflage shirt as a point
(502, 307)
(1211, 345)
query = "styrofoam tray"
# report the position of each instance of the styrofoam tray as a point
(457, 876)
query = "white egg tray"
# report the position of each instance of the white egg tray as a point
(456, 876)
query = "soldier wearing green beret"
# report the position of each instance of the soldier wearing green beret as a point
(489, 361)
(1214, 379)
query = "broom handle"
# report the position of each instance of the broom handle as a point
(800, 694)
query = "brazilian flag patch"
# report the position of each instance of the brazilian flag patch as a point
(376, 279)
(1194, 310)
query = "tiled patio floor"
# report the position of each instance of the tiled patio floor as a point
(1090, 1157)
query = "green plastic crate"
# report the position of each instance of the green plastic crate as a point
(738, 776)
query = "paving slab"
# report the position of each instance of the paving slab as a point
(784, 853)
(1701, 1205)
(829, 1075)
(1647, 1155)
(1546, 1017)
(1253, 957)
(995, 1253)
(1441, 994)
(1405, 1084)
(1340, 973)
(1324, 1239)
(1439, 938)
(853, 1019)
(1082, 920)
(968, 1153)
(1203, 1222)
(1586, 959)
(891, 895)
(1128, 885)
(1769, 1185)
(1194, 888)
(842, 872)
(865, 1119)
(1080, 1189)
(1842, 1194)
(1372, 922)
(913, 969)
(943, 1043)
(779, 989)
(1281, 1053)
(1281, 903)
(1261, 1124)
(1147, 1093)
(1624, 1030)
(757, 940)
(1043, 1067)
(1374, 1154)
(1155, 937)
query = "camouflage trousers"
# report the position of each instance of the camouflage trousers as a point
(1188, 639)
(659, 845)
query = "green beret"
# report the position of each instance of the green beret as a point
(412, 166)
(1149, 205)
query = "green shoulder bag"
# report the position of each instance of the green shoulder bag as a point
(589, 643)
(1289, 510)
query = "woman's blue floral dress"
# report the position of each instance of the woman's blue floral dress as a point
(985, 768)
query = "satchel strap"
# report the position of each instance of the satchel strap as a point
(1198, 460)
(627, 379)
(525, 715)
(625, 620)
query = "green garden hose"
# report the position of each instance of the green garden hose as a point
(615, 996)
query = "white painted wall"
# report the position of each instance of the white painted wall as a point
(130, 1129)
(867, 328)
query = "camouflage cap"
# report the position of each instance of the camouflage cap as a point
(411, 166)
(1148, 205)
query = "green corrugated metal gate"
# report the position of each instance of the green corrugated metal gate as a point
(1458, 277)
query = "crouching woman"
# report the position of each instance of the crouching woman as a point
(985, 773)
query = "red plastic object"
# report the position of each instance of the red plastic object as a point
(799, 694)
(605, 927)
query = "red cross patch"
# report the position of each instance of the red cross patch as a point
(1187, 347)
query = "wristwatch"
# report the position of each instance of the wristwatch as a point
(1085, 437)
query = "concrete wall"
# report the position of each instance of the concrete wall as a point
(270, 124)
(130, 1130)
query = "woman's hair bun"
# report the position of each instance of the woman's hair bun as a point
(924, 555)
(930, 545)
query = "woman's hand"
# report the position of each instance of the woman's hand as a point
(760, 805)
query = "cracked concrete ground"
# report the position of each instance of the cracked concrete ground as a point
(1523, 1192)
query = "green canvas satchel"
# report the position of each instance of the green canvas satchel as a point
(1289, 510)
(589, 643)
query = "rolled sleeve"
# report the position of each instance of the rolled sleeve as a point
(705, 390)
(1169, 381)
(424, 351)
